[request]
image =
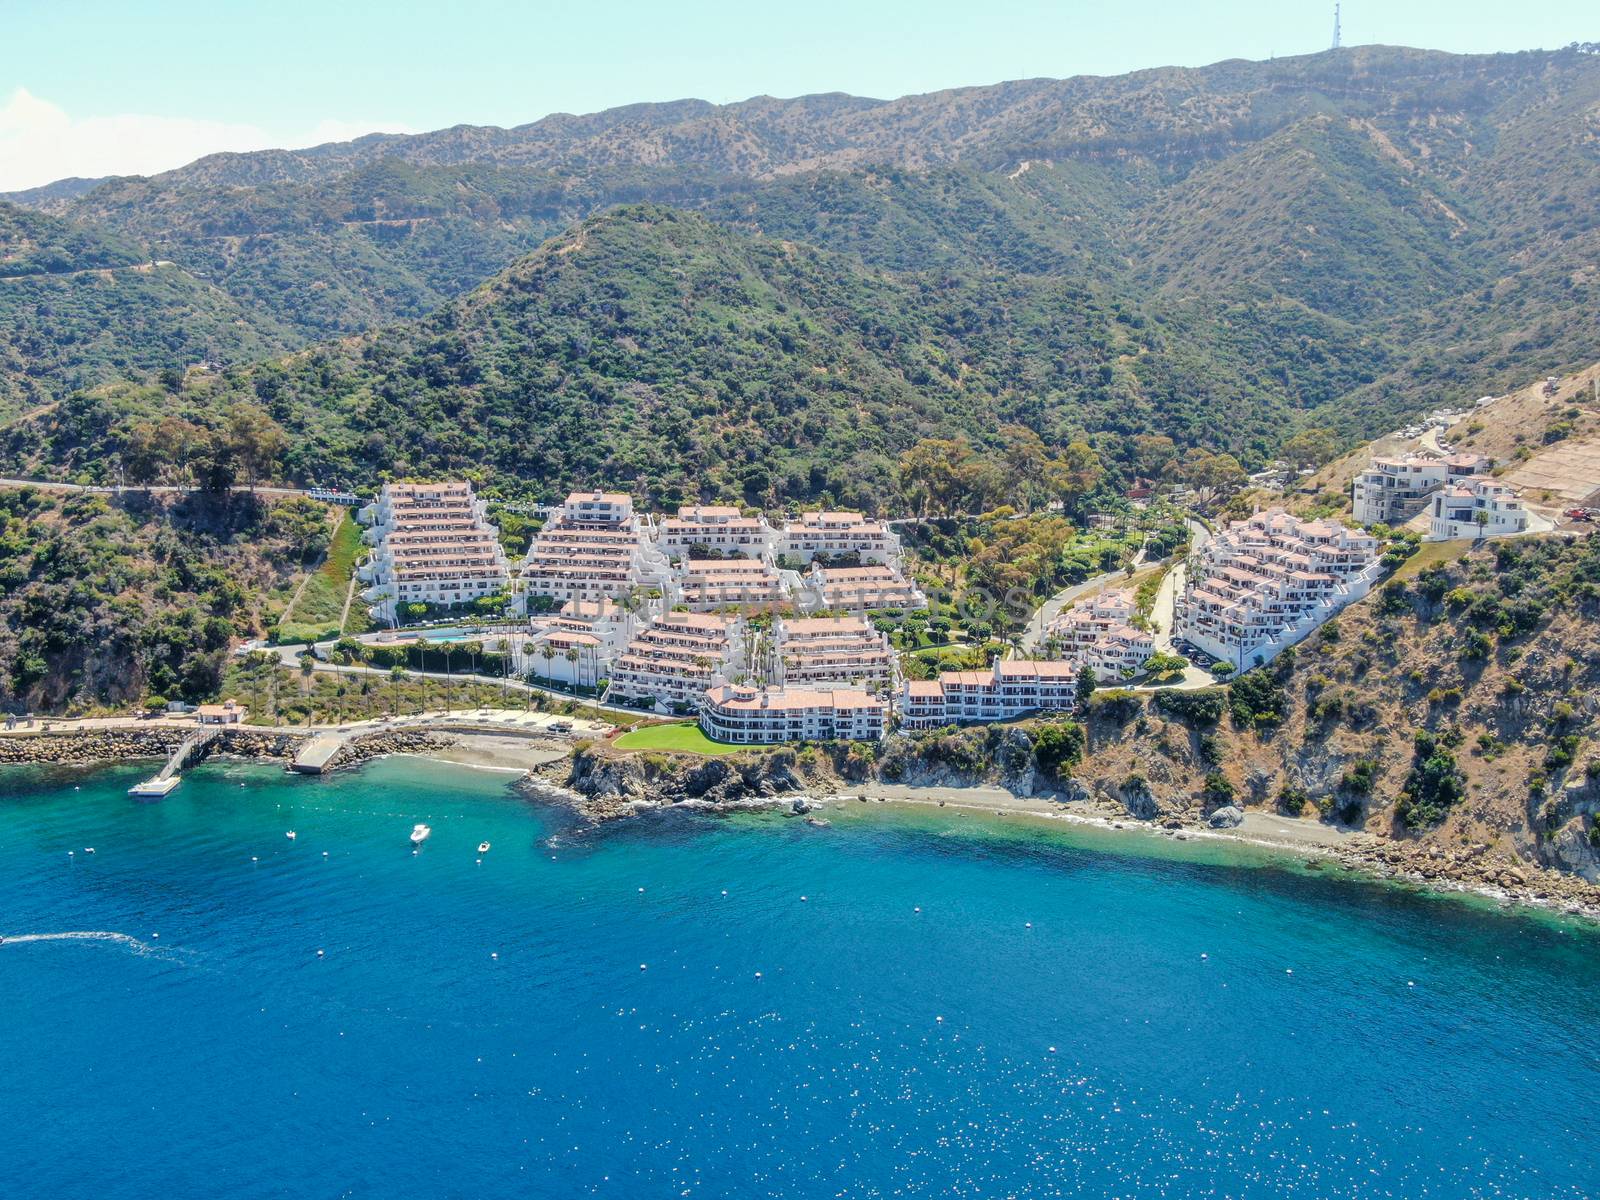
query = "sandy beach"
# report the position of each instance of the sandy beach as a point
(499, 752)
(1266, 829)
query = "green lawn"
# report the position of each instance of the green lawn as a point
(686, 737)
(1430, 554)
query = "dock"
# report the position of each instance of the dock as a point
(313, 757)
(169, 776)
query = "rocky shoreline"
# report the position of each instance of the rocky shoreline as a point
(601, 787)
(89, 747)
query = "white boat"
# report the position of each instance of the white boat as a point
(290, 835)
(419, 833)
(483, 847)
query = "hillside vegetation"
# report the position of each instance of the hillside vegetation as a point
(103, 603)
(1339, 238)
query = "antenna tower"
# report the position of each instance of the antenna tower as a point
(1335, 26)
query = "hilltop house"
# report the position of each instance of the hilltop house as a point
(1393, 490)
(1475, 507)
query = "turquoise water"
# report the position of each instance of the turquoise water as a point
(1113, 1023)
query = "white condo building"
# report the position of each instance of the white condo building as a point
(1264, 583)
(578, 644)
(432, 545)
(1012, 688)
(810, 651)
(861, 589)
(837, 533)
(718, 527)
(1475, 508)
(762, 715)
(710, 584)
(1096, 632)
(677, 658)
(1393, 490)
(594, 547)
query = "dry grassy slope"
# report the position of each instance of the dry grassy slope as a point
(1362, 691)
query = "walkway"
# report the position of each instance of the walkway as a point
(1033, 636)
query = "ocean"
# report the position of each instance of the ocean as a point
(903, 1003)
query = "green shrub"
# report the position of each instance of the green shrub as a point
(1257, 698)
(1217, 789)
(1058, 746)
(1200, 709)
(1434, 784)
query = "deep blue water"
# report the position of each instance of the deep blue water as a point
(1336, 1039)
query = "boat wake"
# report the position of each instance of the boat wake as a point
(79, 935)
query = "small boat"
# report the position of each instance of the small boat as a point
(419, 833)
(88, 849)
(290, 835)
(483, 847)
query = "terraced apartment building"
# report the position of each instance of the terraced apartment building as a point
(812, 651)
(594, 547)
(432, 544)
(720, 528)
(1097, 632)
(1011, 688)
(835, 534)
(674, 661)
(1267, 581)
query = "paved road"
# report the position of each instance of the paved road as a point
(1033, 638)
(56, 485)
(1161, 612)
(289, 656)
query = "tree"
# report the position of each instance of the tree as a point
(1311, 447)
(1075, 474)
(1058, 745)
(1087, 682)
(397, 676)
(1152, 452)
(1213, 477)
(254, 440)
(1163, 665)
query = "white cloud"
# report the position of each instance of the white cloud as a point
(40, 142)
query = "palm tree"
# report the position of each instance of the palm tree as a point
(504, 648)
(572, 658)
(547, 652)
(397, 676)
(308, 667)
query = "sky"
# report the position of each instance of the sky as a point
(98, 87)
